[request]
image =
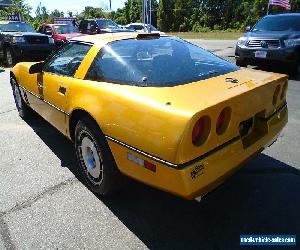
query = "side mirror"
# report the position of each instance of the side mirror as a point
(248, 28)
(36, 68)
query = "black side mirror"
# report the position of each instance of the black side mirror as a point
(36, 68)
(248, 28)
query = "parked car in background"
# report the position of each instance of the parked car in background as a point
(141, 27)
(98, 26)
(155, 108)
(19, 40)
(274, 39)
(61, 33)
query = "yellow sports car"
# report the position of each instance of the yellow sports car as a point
(155, 108)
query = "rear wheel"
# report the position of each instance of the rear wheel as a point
(10, 59)
(95, 160)
(24, 110)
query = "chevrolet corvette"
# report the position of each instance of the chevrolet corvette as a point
(153, 107)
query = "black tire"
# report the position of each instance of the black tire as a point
(24, 110)
(107, 180)
(294, 69)
(241, 63)
(10, 59)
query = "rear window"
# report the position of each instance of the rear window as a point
(278, 23)
(157, 62)
(107, 24)
(66, 29)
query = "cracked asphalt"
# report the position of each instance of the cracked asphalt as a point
(44, 205)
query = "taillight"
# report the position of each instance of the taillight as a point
(284, 90)
(223, 120)
(276, 95)
(201, 130)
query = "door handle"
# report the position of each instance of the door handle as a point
(62, 90)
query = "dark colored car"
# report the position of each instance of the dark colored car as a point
(274, 39)
(98, 26)
(61, 33)
(19, 40)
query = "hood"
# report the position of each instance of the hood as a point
(116, 30)
(281, 35)
(66, 36)
(24, 34)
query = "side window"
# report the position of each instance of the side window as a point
(48, 31)
(88, 25)
(83, 26)
(67, 60)
(93, 27)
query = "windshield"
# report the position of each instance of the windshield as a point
(66, 29)
(278, 23)
(141, 27)
(161, 62)
(16, 27)
(107, 24)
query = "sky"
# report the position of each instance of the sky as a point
(74, 5)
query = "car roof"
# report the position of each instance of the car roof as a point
(284, 14)
(101, 39)
(136, 24)
(55, 24)
(93, 19)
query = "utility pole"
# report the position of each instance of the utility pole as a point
(147, 14)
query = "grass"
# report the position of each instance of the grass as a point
(213, 35)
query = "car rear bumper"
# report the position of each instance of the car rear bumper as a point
(205, 173)
(33, 51)
(280, 55)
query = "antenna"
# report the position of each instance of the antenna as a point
(147, 15)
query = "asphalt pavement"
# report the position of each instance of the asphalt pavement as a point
(44, 205)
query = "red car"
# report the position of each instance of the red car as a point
(60, 32)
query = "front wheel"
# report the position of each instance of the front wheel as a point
(24, 110)
(95, 160)
(294, 68)
(241, 63)
(10, 59)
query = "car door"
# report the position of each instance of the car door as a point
(58, 74)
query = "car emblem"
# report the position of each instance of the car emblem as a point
(264, 44)
(231, 80)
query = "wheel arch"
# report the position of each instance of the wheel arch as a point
(5, 46)
(75, 116)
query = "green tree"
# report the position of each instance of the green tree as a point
(41, 16)
(165, 19)
(18, 7)
(91, 12)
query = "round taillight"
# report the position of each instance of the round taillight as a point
(276, 95)
(284, 90)
(223, 120)
(201, 130)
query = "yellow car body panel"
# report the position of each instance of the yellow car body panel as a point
(156, 123)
